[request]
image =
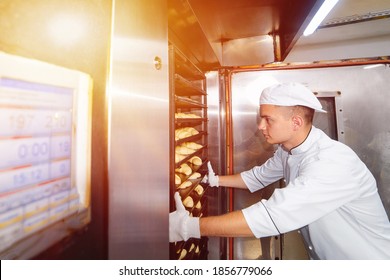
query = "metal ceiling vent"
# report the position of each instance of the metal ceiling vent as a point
(356, 19)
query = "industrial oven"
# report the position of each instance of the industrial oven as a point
(340, 87)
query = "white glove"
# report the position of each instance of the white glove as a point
(211, 178)
(181, 225)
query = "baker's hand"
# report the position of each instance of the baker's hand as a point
(181, 225)
(211, 178)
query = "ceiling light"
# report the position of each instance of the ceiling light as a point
(322, 12)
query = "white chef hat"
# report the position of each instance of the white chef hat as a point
(290, 94)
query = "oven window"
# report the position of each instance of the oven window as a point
(327, 121)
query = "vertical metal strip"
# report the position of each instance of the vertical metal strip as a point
(229, 148)
(222, 158)
(171, 69)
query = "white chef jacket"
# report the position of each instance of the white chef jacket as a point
(329, 190)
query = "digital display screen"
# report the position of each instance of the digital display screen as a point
(36, 147)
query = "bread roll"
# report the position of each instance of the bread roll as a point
(194, 175)
(183, 253)
(177, 179)
(179, 115)
(191, 130)
(199, 189)
(182, 133)
(186, 116)
(192, 116)
(195, 160)
(184, 169)
(179, 157)
(188, 202)
(186, 184)
(192, 145)
(183, 150)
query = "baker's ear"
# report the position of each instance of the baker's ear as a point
(297, 122)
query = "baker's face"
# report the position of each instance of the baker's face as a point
(276, 124)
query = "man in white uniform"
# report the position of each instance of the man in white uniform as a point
(330, 194)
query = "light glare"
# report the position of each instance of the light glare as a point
(322, 12)
(67, 29)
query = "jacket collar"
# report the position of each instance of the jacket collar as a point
(311, 139)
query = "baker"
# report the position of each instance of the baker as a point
(330, 194)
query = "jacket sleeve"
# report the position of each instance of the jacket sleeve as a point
(266, 174)
(319, 189)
